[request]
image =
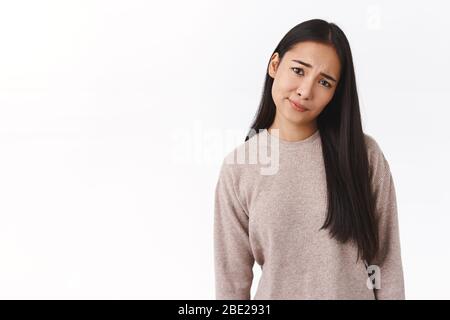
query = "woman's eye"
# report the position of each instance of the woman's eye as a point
(300, 72)
(325, 83)
(300, 69)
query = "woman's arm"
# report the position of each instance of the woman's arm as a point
(232, 252)
(388, 260)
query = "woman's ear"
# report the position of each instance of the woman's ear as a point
(273, 65)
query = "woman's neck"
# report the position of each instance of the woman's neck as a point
(289, 132)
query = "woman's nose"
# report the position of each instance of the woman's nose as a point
(305, 89)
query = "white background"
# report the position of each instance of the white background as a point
(100, 196)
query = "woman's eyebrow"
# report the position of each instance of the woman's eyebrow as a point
(310, 66)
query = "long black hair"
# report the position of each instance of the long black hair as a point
(350, 215)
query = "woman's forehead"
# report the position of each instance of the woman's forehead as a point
(316, 54)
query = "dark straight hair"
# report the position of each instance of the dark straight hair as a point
(350, 215)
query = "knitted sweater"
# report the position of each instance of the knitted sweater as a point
(274, 217)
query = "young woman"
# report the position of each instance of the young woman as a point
(325, 225)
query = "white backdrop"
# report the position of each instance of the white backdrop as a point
(112, 115)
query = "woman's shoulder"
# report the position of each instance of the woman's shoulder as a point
(371, 143)
(240, 155)
(378, 163)
(242, 159)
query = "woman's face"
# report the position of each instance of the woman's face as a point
(309, 81)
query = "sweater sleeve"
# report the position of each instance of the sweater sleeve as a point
(233, 259)
(388, 259)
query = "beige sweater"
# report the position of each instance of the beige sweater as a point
(274, 219)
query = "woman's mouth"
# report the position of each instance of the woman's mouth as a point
(297, 107)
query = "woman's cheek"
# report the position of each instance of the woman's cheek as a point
(287, 84)
(275, 91)
(278, 90)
